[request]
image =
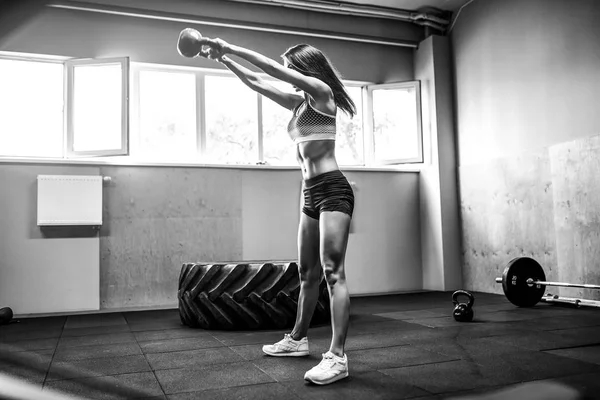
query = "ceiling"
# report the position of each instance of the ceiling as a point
(446, 5)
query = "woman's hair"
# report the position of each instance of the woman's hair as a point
(310, 61)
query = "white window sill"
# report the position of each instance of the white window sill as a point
(143, 163)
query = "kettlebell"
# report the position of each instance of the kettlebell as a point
(6, 315)
(463, 312)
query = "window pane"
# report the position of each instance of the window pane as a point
(349, 140)
(167, 115)
(395, 123)
(97, 107)
(31, 115)
(278, 147)
(231, 121)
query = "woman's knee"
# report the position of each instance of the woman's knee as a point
(309, 274)
(334, 272)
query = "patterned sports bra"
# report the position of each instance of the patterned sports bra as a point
(308, 124)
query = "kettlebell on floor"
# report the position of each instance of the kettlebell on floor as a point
(463, 312)
(6, 315)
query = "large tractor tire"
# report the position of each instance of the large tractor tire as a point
(244, 296)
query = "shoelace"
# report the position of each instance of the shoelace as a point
(287, 338)
(327, 362)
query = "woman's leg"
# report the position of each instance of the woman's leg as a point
(334, 230)
(310, 274)
(295, 343)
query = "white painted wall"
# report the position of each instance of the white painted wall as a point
(384, 250)
(39, 273)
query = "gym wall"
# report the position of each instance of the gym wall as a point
(83, 34)
(156, 218)
(527, 85)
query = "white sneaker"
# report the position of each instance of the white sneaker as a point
(332, 368)
(287, 347)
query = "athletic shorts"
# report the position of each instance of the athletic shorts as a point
(327, 192)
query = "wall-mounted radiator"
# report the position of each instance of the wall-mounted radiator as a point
(69, 200)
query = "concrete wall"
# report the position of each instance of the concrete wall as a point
(440, 233)
(526, 75)
(156, 218)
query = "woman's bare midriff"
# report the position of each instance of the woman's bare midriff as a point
(316, 157)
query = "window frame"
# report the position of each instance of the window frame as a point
(130, 132)
(68, 114)
(368, 123)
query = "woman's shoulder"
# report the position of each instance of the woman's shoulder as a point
(325, 107)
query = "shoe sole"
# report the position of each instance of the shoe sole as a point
(331, 380)
(290, 354)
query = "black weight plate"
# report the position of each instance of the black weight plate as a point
(514, 282)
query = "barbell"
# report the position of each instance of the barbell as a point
(524, 283)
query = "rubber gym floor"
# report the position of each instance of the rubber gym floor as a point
(398, 347)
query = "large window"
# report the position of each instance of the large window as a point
(349, 140)
(278, 148)
(166, 125)
(31, 108)
(396, 123)
(231, 121)
(97, 107)
(185, 114)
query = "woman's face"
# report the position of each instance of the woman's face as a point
(288, 65)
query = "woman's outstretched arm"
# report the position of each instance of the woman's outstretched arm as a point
(313, 86)
(255, 81)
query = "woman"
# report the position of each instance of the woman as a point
(328, 200)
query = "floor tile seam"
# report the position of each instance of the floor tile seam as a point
(28, 340)
(545, 349)
(597, 344)
(439, 362)
(238, 386)
(101, 386)
(138, 343)
(578, 327)
(374, 347)
(265, 372)
(78, 346)
(388, 346)
(29, 350)
(199, 367)
(177, 351)
(136, 354)
(101, 375)
(94, 334)
(425, 363)
(162, 389)
(53, 355)
(153, 327)
(203, 336)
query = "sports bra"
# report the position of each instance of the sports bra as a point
(308, 124)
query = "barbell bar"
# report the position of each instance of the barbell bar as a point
(550, 298)
(524, 283)
(530, 281)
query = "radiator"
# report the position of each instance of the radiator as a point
(69, 200)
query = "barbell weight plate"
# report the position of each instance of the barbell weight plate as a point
(514, 282)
